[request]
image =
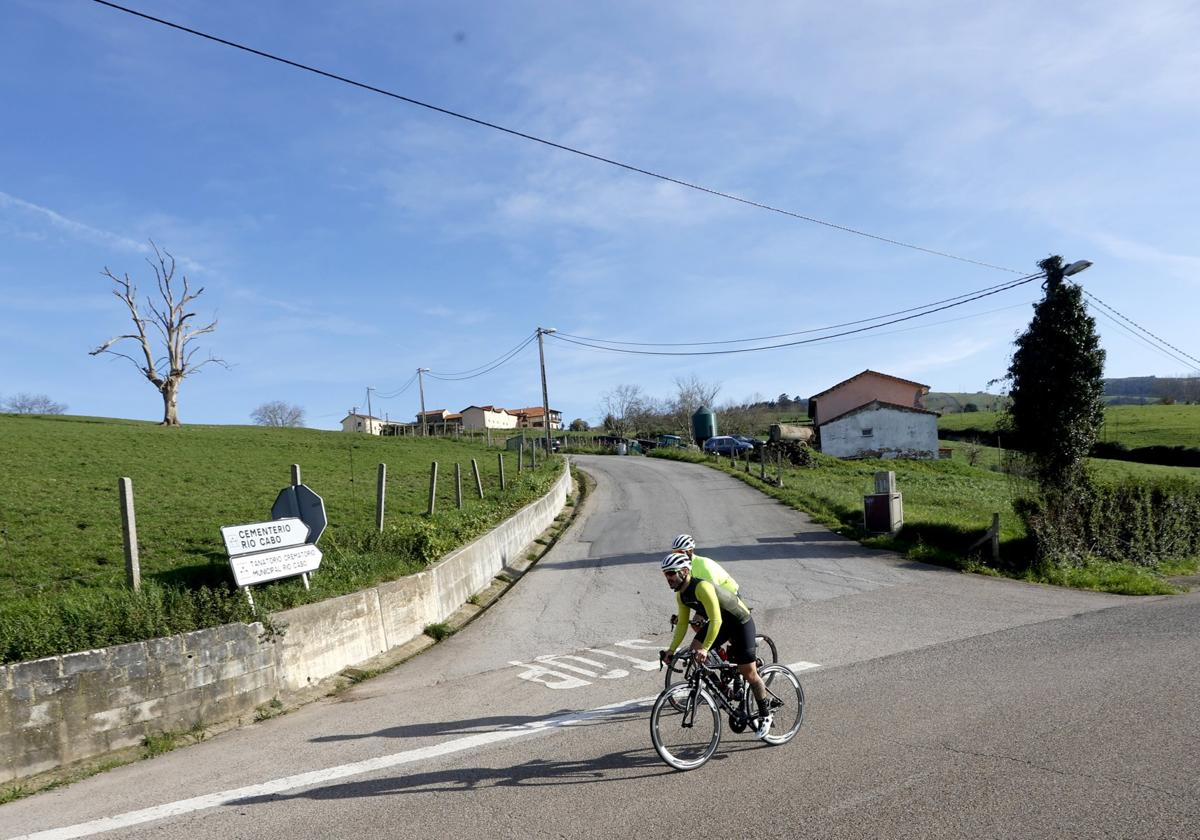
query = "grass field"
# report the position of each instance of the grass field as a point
(1132, 425)
(60, 524)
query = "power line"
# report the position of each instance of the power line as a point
(1140, 327)
(400, 390)
(507, 357)
(1143, 340)
(562, 147)
(990, 289)
(793, 343)
(503, 355)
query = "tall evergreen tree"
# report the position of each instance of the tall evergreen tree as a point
(1056, 384)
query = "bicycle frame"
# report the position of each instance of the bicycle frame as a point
(713, 679)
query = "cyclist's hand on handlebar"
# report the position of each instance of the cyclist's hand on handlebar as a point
(701, 656)
(664, 656)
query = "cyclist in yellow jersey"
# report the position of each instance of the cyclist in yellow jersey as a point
(703, 567)
(728, 621)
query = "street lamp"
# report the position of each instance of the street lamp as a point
(1076, 267)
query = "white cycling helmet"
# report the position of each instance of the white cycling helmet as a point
(684, 542)
(676, 561)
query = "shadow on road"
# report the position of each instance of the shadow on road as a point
(536, 772)
(477, 726)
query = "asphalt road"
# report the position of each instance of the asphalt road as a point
(942, 705)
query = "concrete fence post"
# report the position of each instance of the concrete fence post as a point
(458, 485)
(380, 492)
(133, 567)
(521, 457)
(779, 469)
(500, 458)
(478, 480)
(432, 488)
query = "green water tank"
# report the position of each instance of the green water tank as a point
(704, 425)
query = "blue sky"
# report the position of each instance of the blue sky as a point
(344, 238)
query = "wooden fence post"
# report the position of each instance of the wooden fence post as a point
(304, 575)
(133, 567)
(762, 464)
(432, 488)
(500, 458)
(478, 480)
(996, 538)
(458, 485)
(380, 492)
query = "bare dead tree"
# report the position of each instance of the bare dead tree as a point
(170, 319)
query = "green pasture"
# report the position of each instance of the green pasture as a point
(60, 525)
(1131, 425)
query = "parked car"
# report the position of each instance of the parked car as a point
(726, 445)
(754, 442)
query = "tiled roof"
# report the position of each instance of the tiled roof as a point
(864, 373)
(874, 404)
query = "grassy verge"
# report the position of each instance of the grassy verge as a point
(948, 505)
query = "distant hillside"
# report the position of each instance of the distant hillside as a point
(948, 402)
(1139, 389)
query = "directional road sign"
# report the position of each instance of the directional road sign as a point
(264, 536)
(270, 565)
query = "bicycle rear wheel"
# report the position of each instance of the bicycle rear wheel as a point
(786, 696)
(685, 726)
(766, 645)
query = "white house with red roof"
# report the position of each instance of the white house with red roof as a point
(875, 415)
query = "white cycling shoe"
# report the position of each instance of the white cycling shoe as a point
(764, 726)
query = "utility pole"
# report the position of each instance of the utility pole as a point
(545, 396)
(421, 385)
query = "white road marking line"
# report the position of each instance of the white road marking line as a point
(314, 777)
(370, 765)
(803, 666)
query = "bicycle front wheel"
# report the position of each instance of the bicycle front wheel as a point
(679, 668)
(685, 726)
(786, 697)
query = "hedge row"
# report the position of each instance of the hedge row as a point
(1139, 522)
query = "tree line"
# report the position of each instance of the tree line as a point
(629, 411)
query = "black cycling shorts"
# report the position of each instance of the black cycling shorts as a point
(743, 649)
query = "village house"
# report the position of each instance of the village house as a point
(534, 417)
(488, 417)
(875, 415)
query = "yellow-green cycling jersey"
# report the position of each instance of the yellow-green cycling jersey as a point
(715, 603)
(710, 570)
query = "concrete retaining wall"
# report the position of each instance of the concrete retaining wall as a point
(63, 709)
